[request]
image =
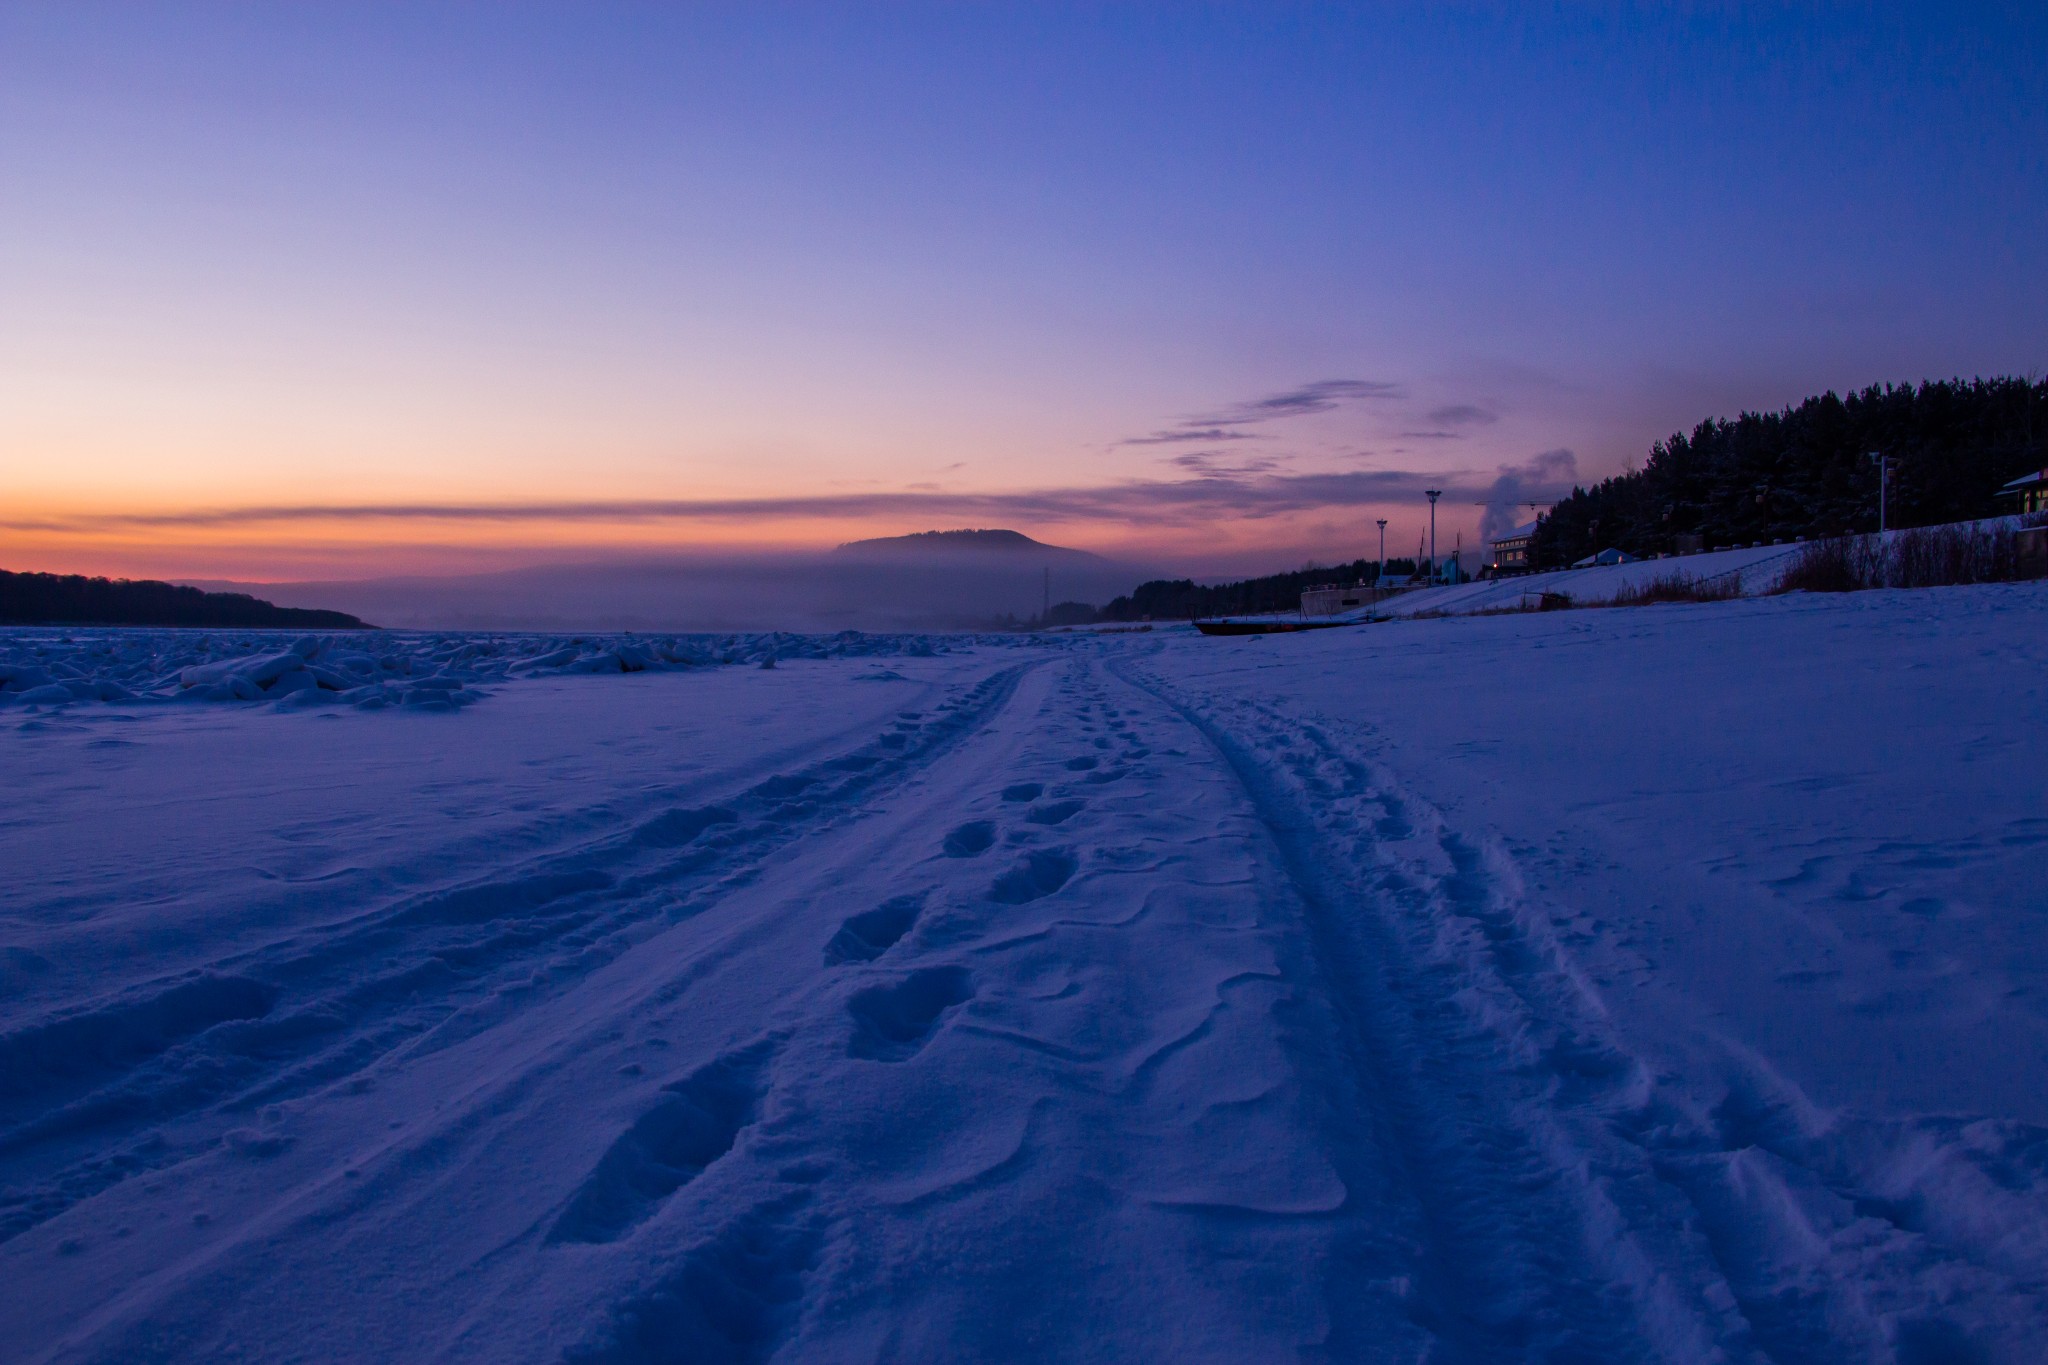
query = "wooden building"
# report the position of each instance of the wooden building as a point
(1511, 551)
(2030, 489)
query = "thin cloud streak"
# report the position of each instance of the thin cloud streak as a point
(1215, 464)
(1304, 401)
(1233, 493)
(1320, 396)
(1164, 438)
(1462, 415)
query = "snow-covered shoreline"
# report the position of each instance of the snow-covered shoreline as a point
(1625, 985)
(43, 666)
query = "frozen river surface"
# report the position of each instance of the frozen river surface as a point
(1654, 984)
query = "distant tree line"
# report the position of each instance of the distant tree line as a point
(42, 599)
(1807, 471)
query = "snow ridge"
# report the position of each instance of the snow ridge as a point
(374, 669)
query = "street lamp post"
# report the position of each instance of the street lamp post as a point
(1432, 494)
(1380, 575)
(1884, 469)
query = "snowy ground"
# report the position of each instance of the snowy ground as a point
(1660, 984)
(1750, 570)
(374, 669)
(1753, 570)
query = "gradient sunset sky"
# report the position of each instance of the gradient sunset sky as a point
(335, 290)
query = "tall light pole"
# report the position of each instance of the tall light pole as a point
(1432, 494)
(1380, 575)
(1884, 469)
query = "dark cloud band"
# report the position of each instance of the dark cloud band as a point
(1232, 493)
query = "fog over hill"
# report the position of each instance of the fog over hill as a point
(929, 581)
(925, 544)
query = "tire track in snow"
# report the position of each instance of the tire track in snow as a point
(1731, 1210)
(1057, 1011)
(148, 1079)
(1528, 1250)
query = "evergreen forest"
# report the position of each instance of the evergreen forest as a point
(1807, 471)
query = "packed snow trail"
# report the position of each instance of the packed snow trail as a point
(1145, 1119)
(972, 1042)
(995, 1007)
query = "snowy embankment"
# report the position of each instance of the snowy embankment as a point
(1750, 571)
(1638, 985)
(371, 670)
(1745, 571)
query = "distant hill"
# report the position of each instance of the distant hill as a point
(973, 542)
(48, 599)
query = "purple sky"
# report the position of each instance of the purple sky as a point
(328, 290)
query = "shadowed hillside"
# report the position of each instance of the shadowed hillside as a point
(39, 599)
(975, 540)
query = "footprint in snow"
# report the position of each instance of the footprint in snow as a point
(732, 1298)
(1039, 874)
(696, 1121)
(976, 836)
(892, 1023)
(866, 936)
(1053, 812)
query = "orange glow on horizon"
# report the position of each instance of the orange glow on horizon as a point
(313, 547)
